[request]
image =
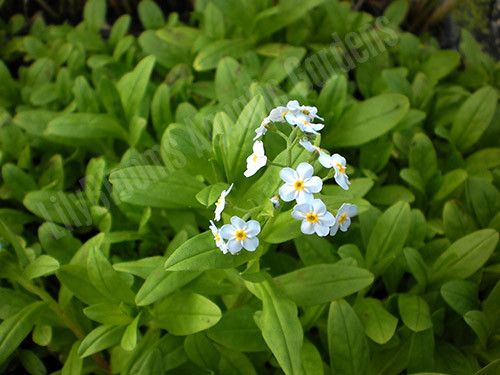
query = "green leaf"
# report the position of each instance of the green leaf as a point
(32, 363)
(280, 326)
(15, 329)
(388, 237)
(151, 15)
(186, 313)
(161, 113)
(414, 312)
(485, 158)
(129, 338)
(73, 364)
(202, 351)
(423, 157)
(465, 256)
(132, 86)
(94, 14)
(421, 356)
(141, 267)
(378, 323)
(85, 126)
(457, 221)
(119, 29)
(107, 313)
(451, 182)
(490, 369)
(314, 250)
(323, 283)
(238, 331)
(200, 253)
(368, 120)
(484, 198)
(155, 186)
(211, 53)
(235, 363)
(102, 337)
(161, 283)
(440, 64)
(416, 264)
(461, 295)
(106, 279)
(210, 194)
(311, 359)
(19, 182)
(76, 279)
(478, 321)
(473, 117)
(14, 241)
(390, 194)
(231, 80)
(284, 228)
(41, 266)
(60, 207)
(347, 342)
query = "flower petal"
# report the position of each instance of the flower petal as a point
(318, 207)
(307, 227)
(227, 231)
(303, 197)
(334, 229)
(321, 230)
(250, 243)
(238, 223)
(328, 219)
(345, 225)
(253, 228)
(234, 246)
(314, 184)
(288, 175)
(325, 160)
(305, 171)
(351, 210)
(287, 192)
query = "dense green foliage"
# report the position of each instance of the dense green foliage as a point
(114, 151)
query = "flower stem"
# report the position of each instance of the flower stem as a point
(54, 306)
(277, 164)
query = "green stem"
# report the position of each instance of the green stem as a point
(54, 306)
(276, 164)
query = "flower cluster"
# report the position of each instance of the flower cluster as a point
(240, 234)
(300, 184)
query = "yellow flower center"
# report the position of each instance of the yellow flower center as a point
(240, 235)
(219, 201)
(285, 113)
(312, 217)
(305, 122)
(341, 168)
(342, 218)
(255, 157)
(305, 112)
(299, 185)
(217, 237)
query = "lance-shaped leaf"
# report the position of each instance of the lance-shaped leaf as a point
(14, 329)
(103, 337)
(106, 279)
(379, 324)
(388, 236)
(200, 253)
(186, 313)
(414, 312)
(347, 342)
(323, 283)
(280, 326)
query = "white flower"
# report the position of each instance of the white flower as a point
(302, 121)
(221, 244)
(315, 217)
(299, 184)
(323, 156)
(312, 112)
(262, 129)
(339, 164)
(343, 218)
(257, 160)
(278, 114)
(276, 202)
(241, 234)
(221, 203)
